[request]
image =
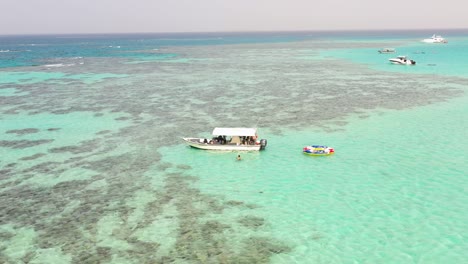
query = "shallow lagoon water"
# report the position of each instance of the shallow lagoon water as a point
(94, 170)
(378, 199)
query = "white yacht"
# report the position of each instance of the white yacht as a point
(229, 139)
(435, 39)
(402, 60)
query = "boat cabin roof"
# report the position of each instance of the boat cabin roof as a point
(234, 131)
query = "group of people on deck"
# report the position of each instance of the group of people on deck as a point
(248, 140)
(244, 140)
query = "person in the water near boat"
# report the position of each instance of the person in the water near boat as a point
(238, 157)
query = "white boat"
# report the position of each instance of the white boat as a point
(387, 50)
(435, 39)
(229, 139)
(402, 60)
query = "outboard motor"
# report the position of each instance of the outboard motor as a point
(263, 144)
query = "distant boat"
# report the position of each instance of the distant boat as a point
(402, 60)
(230, 139)
(435, 39)
(387, 50)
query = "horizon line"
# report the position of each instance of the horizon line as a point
(233, 31)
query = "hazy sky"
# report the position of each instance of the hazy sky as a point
(113, 16)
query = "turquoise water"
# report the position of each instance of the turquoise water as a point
(441, 59)
(93, 168)
(386, 196)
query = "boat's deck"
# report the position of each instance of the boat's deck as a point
(204, 141)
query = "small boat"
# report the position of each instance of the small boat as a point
(317, 150)
(435, 39)
(402, 60)
(386, 50)
(229, 139)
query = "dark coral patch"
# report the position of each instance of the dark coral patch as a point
(260, 249)
(21, 144)
(23, 131)
(184, 167)
(252, 222)
(33, 157)
(102, 132)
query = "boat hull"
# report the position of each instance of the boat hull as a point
(385, 51)
(317, 154)
(401, 62)
(435, 39)
(198, 143)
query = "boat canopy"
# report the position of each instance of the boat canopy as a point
(234, 131)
